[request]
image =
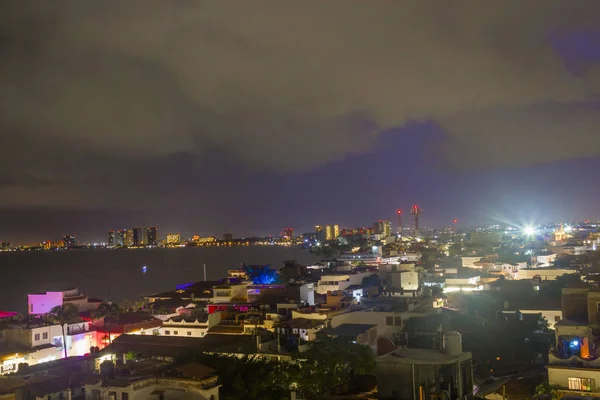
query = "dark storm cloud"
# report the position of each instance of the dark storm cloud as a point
(90, 89)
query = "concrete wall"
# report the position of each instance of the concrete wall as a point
(43, 303)
(468, 262)
(560, 376)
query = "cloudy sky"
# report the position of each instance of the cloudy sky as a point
(252, 116)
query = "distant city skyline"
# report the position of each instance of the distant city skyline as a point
(482, 116)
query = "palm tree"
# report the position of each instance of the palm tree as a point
(63, 315)
(110, 311)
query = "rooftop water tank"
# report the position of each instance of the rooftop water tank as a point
(452, 343)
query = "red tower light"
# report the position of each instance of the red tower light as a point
(455, 221)
(399, 212)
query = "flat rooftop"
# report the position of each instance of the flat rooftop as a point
(422, 356)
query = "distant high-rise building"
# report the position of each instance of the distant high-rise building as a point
(383, 228)
(120, 238)
(128, 238)
(111, 238)
(151, 235)
(288, 233)
(332, 232)
(387, 228)
(228, 237)
(137, 237)
(319, 233)
(173, 239)
(70, 241)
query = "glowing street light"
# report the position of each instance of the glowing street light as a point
(529, 230)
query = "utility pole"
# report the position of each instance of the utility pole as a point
(399, 213)
(204, 272)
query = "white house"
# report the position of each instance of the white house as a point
(189, 326)
(340, 281)
(230, 292)
(469, 261)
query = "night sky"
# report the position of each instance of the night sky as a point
(207, 117)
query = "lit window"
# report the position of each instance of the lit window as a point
(583, 384)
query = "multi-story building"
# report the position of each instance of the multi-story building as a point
(111, 239)
(340, 281)
(128, 238)
(332, 232)
(227, 237)
(288, 233)
(574, 365)
(120, 238)
(408, 373)
(40, 342)
(190, 381)
(173, 239)
(43, 303)
(383, 228)
(70, 241)
(232, 292)
(151, 235)
(137, 237)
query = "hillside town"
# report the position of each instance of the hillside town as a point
(494, 313)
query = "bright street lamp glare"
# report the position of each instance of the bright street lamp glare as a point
(568, 229)
(529, 230)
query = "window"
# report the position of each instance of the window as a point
(583, 384)
(112, 395)
(556, 318)
(36, 337)
(189, 333)
(167, 332)
(124, 396)
(390, 321)
(175, 332)
(45, 335)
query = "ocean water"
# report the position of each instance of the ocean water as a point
(118, 274)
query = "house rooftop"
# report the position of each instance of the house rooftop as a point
(170, 346)
(348, 330)
(422, 357)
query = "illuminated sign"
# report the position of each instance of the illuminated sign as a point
(10, 366)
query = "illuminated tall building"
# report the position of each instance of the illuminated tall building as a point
(319, 233)
(120, 238)
(173, 239)
(111, 238)
(288, 233)
(128, 238)
(399, 213)
(332, 232)
(151, 235)
(137, 238)
(70, 241)
(387, 228)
